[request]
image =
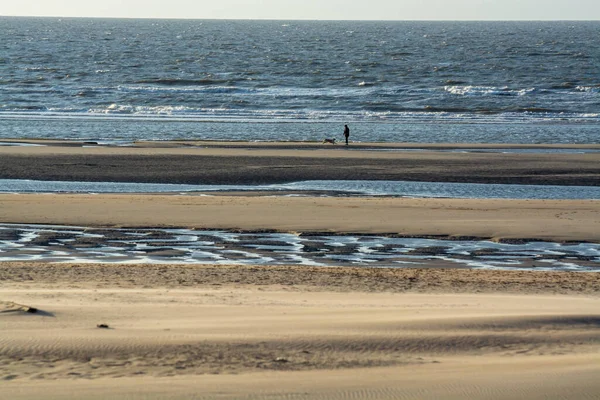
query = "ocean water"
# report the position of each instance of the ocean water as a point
(480, 82)
(325, 188)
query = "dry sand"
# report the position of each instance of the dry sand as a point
(260, 332)
(224, 332)
(560, 220)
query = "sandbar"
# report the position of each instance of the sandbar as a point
(547, 220)
(252, 163)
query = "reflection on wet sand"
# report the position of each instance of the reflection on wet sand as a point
(78, 244)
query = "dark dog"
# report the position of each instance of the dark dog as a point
(327, 140)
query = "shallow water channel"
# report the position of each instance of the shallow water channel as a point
(331, 188)
(79, 244)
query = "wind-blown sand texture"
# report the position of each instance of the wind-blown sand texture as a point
(248, 332)
(309, 333)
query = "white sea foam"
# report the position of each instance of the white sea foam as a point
(588, 89)
(487, 90)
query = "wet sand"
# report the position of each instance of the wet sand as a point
(34, 275)
(252, 163)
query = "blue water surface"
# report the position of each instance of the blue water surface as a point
(368, 188)
(484, 82)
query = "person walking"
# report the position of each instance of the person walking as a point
(346, 133)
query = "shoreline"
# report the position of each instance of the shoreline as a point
(290, 144)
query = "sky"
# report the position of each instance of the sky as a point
(311, 9)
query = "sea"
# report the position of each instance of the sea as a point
(116, 81)
(121, 80)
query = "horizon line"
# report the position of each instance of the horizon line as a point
(298, 19)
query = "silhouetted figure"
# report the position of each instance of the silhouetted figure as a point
(346, 133)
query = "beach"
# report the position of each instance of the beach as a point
(174, 223)
(142, 331)
(247, 163)
(180, 331)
